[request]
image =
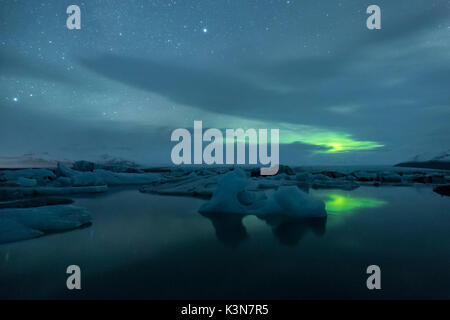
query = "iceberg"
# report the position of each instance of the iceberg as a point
(14, 193)
(390, 177)
(290, 201)
(303, 176)
(34, 202)
(191, 185)
(27, 223)
(365, 176)
(42, 176)
(233, 197)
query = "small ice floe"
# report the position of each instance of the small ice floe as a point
(18, 184)
(365, 176)
(34, 202)
(282, 170)
(390, 177)
(342, 184)
(411, 178)
(13, 193)
(21, 224)
(233, 197)
(120, 167)
(41, 176)
(267, 183)
(327, 180)
(191, 185)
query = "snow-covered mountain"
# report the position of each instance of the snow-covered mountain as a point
(46, 160)
(429, 160)
(27, 161)
(443, 156)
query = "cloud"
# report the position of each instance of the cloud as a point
(391, 92)
(314, 139)
(13, 64)
(26, 129)
(217, 90)
(204, 88)
(344, 109)
(404, 28)
(309, 71)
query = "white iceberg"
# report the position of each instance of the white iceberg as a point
(21, 224)
(191, 185)
(228, 194)
(42, 176)
(232, 197)
(290, 201)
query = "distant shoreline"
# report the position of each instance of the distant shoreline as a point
(440, 165)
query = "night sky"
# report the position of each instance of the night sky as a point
(338, 92)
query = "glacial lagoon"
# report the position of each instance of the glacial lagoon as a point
(159, 247)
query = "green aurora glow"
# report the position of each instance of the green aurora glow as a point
(330, 141)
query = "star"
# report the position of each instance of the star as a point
(205, 30)
(15, 99)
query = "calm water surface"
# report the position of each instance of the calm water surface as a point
(149, 246)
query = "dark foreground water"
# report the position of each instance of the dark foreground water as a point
(148, 246)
